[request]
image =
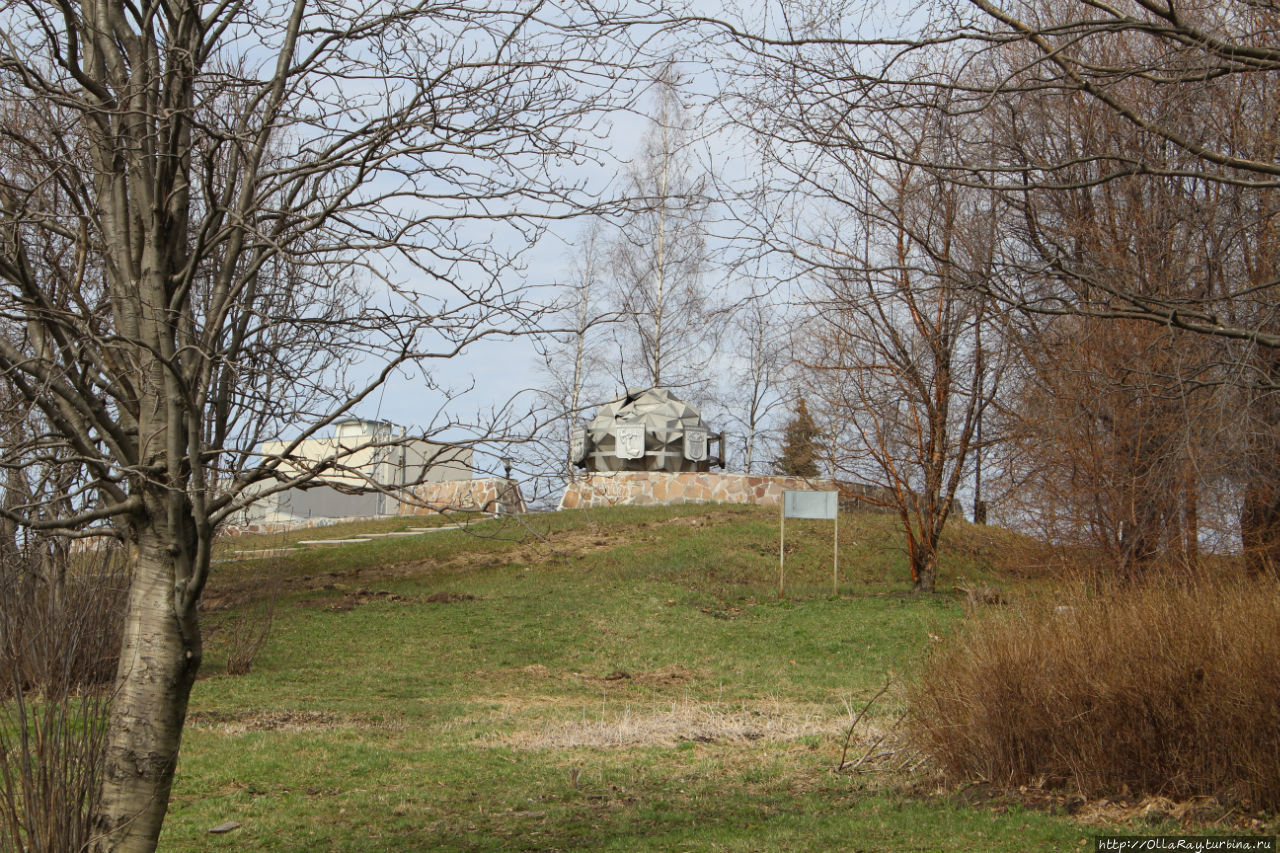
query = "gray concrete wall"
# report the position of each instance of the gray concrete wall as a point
(328, 502)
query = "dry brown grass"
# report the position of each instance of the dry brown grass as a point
(682, 721)
(1157, 690)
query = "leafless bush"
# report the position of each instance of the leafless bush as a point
(245, 634)
(50, 762)
(60, 618)
(1141, 689)
(60, 621)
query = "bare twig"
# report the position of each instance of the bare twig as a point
(848, 737)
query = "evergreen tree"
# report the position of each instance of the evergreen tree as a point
(799, 445)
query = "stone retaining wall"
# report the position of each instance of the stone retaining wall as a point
(646, 488)
(486, 494)
(286, 526)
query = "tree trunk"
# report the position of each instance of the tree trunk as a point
(11, 498)
(1260, 529)
(159, 657)
(1191, 519)
(924, 569)
(1260, 512)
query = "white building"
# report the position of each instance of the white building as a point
(365, 463)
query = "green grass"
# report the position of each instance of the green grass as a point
(606, 680)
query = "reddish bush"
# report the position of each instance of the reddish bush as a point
(1149, 689)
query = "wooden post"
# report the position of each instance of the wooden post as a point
(782, 544)
(835, 562)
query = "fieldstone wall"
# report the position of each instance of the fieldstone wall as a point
(485, 494)
(642, 488)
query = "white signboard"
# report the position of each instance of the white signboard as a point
(630, 442)
(797, 503)
(695, 444)
(578, 444)
(803, 504)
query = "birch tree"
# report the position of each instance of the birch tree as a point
(574, 350)
(759, 369)
(664, 334)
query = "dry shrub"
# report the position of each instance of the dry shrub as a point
(1169, 690)
(60, 625)
(51, 751)
(61, 617)
(241, 636)
(246, 635)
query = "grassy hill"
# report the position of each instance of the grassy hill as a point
(600, 680)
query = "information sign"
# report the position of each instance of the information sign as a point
(803, 504)
(798, 503)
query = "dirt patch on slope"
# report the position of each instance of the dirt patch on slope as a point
(658, 677)
(351, 600)
(273, 721)
(229, 594)
(662, 676)
(449, 598)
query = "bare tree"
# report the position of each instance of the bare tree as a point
(207, 215)
(1086, 109)
(896, 256)
(759, 371)
(574, 350)
(1121, 219)
(894, 356)
(660, 256)
(1115, 445)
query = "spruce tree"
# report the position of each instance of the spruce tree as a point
(799, 445)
